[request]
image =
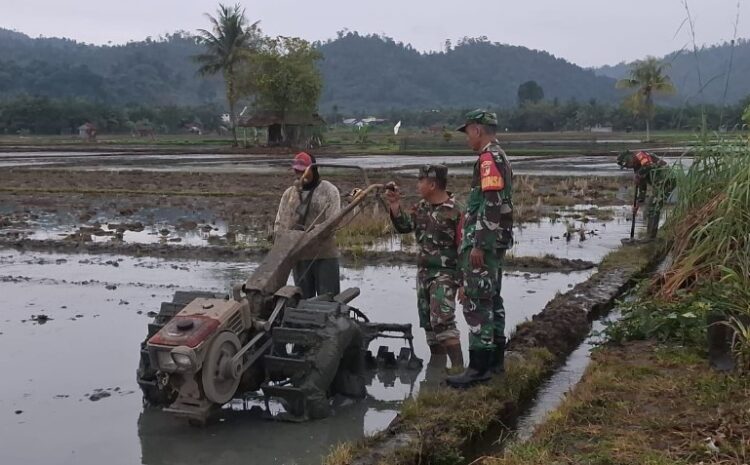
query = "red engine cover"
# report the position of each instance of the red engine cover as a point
(187, 331)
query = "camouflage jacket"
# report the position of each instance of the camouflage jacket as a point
(438, 232)
(489, 212)
(649, 170)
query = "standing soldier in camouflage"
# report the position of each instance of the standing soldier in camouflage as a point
(488, 223)
(435, 220)
(649, 170)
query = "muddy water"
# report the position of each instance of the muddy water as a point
(98, 308)
(157, 233)
(259, 164)
(589, 239)
(573, 166)
(554, 390)
(162, 225)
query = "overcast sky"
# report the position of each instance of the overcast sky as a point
(587, 32)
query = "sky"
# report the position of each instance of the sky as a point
(586, 32)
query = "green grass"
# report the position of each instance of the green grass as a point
(629, 257)
(643, 404)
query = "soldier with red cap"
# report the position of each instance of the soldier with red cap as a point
(309, 202)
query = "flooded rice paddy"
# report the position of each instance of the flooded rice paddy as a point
(86, 347)
(569, 165)
(71, 325)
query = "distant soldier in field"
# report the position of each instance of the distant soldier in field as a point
(487, 233)
(649, 170)
(436, 222)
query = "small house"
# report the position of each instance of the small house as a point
(294, 128)
(87, 132)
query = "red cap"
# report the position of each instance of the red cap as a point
(301, 161)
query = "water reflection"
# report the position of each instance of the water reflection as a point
(246, 432)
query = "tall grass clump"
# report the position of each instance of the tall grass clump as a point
(709, 230)
(365, 228)
(708, 237)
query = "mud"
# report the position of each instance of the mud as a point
(60, 202)
(226, 209)
(535, 264)
(566, 319)
(579, 166)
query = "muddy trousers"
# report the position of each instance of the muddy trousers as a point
(480, 287)
(317, 277)
(436, 305)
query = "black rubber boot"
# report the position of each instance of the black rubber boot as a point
(497, 367)
(477, 372)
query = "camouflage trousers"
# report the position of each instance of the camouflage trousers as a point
(482, 298)
(436, 304)
(498, 305)
(663, 183)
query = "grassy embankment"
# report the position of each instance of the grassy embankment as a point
(644, 403)
(650, 396)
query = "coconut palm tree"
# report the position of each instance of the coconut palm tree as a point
(649, 78)
(228, 44)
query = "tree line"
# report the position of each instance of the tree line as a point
(367, 74)
(44, 115)
(60, 116)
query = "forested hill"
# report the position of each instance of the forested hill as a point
(714, 65)
(374, 72)
(159, 72)
(361, 73)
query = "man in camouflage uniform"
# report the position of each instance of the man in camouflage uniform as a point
(649, 170)
(435, 220)
(487, 227)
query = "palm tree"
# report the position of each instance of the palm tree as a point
(648, 76)
(227, 46)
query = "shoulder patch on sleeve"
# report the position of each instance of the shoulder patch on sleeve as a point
(490, 176)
